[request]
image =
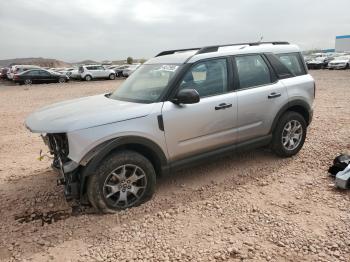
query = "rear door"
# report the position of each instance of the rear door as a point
(33, 75)
(211, 123)
(46, 77)
(260, 96)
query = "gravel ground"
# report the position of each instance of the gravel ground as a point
(250, 206)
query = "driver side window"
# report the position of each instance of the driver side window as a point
(208, 78)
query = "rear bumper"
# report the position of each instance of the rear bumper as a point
(336, 66)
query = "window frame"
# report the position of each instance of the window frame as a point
(186, 69)
(273, 76)
(300, 61)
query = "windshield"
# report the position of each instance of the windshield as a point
(146, 84)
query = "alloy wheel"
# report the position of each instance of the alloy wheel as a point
(27, 82)
(292, 135)
(125, 185)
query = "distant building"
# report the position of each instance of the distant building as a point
(342, 43)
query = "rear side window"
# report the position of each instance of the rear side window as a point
(293, 62)
(252, 71)
(33, 73)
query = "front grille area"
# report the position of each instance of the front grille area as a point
(58, 145)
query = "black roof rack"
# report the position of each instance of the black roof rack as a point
(215, 48)
(170, 52)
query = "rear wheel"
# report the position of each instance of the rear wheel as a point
(28, 82)
(289, 134)
(112, 76)
(123, 180)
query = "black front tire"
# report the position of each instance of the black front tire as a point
(96, 182)
(277, 145)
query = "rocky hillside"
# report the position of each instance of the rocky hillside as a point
(44, 62)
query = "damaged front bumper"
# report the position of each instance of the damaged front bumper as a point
(67, 169)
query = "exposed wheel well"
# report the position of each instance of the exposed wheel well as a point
(301, 110)
(146, 152)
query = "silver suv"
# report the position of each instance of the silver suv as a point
(89, 72)
(179, 108)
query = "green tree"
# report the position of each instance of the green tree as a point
(129, 60)
(142, 60)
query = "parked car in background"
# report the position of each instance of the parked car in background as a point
(3, 73)
(16, 69)
(320, 62)
(131, 69)
(90, 72)
(66, 71)
(39, 76)
(119, 70)
(340, 62)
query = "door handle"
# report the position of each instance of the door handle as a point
(273, 95)
(223, 106)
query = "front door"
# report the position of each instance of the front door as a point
(211, 123)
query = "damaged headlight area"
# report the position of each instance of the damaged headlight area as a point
(67, 169)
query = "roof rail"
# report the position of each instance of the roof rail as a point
(215, 48)
(170, 52)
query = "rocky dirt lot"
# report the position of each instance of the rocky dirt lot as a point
(250, 206)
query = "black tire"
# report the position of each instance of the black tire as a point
(111, 77)
(96, 189)
(88, 78)
(61, 80)
(277, 144)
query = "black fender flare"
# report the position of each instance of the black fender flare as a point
(92, 159)
(290, 104)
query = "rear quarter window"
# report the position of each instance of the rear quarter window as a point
(293, 62)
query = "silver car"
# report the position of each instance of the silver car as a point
(179, 108)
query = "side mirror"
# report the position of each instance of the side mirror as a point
(186, 96)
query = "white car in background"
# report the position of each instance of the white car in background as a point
(340, 62)
(90, 72)
(16, 69)
(129, 70)
(67, 71)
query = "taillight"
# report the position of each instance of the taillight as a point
(15, 77)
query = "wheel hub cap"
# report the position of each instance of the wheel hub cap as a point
(292, 135)
(125, 185)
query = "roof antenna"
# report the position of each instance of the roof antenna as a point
(261, 38)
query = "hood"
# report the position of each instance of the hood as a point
(83, 113)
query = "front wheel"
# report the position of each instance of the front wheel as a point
(61, 80)
(112, 76)
(123, 180)
(289, 134)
